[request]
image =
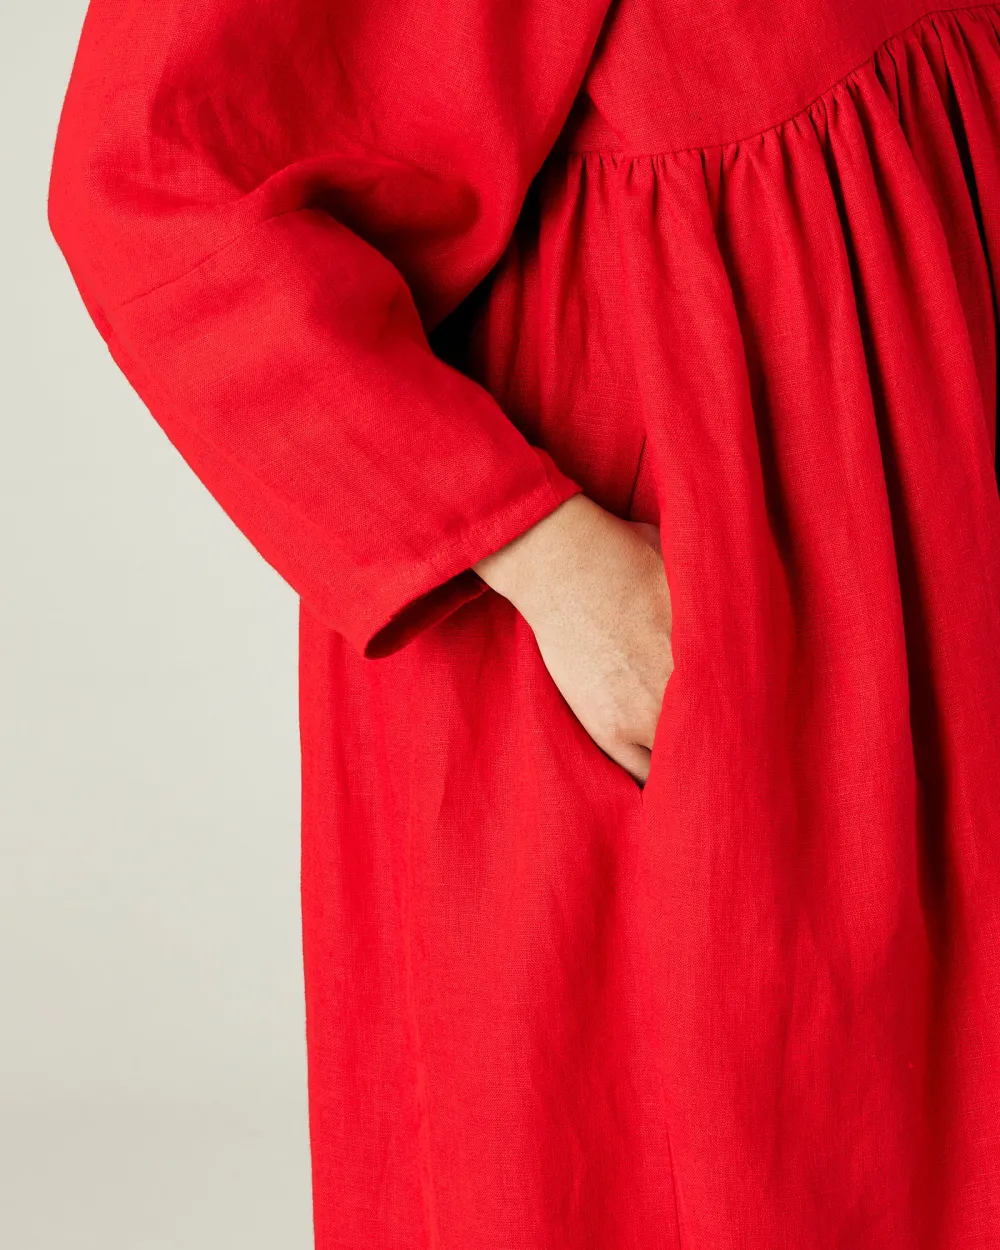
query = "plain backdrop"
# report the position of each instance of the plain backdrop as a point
(152, 1083)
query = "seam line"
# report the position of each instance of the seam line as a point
(806, 108)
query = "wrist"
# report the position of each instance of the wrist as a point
(525, 571)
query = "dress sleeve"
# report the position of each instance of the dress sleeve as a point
(267, 206)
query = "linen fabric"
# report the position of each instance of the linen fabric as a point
(397, 280)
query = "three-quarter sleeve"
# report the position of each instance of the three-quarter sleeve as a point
(267, 207)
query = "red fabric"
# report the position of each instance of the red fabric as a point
(396, 279)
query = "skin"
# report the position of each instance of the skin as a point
(593, 589)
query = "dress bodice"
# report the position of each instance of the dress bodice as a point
(700, 73)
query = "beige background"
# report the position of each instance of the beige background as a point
(152, 1088)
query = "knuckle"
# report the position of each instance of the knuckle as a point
(621, 731)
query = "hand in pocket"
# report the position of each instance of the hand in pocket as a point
(593, 589)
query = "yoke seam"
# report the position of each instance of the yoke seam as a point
(806, 108)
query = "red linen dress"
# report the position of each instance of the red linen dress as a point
(396, 279)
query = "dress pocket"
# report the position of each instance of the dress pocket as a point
(656, 753)
(643, 510)
(643, 502)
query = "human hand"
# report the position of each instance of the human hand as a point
(593, 589)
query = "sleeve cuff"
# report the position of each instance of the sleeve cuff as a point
(447, 581)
